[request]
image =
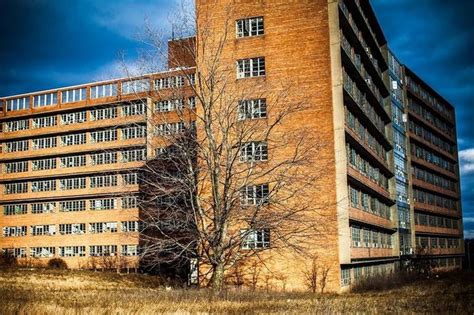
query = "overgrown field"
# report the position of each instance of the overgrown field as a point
(84, 292)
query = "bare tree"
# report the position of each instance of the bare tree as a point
(229, 179)
(311, 275)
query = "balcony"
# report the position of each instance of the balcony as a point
(439, 150)
(367, 182)
(435, 189)
(437, 210)
(437, 230)
(434, 167)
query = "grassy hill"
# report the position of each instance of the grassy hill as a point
(86, 292)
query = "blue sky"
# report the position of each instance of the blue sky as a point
(53, 43)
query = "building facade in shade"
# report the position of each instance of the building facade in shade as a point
(68, 155)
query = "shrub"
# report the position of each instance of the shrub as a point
(57, 263)
(7, 259)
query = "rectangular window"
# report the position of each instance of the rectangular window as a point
(45, 99)
(104, 135)
(43, 185)
(74, 95)
(129, 202)
(44, 164)
(254, 151)
(72, 183)
(103, 158)
(73, 161)
(37, 230)
(169, 128)
(129, 226)
(72, 228)
(16, 209)
(45, 207)
(169, 82)
(16, 167)
(255, 239)
(73, 139)
(135, 86)
(104, 90)
(16, 125)
(18, 104)
(43, 122)
(103, 113)
(129, 250)
(169, 105)
(42, 252)
(103, 181)
(14, 231)
(16, 188)
(130, 179)
(252, 109)
(133, 155)
(345, 277)
(249, 27)
(133, 132)
(72, 206)
(16, 146)
(133, 109)
(44, 143)
(103, 204)
(255, 195)
(72, 251)
(248, 68)
(103, 227)
(73, 118)
(102, 250)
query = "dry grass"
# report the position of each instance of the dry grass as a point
(83, 292)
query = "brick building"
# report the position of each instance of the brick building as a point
(68, 155)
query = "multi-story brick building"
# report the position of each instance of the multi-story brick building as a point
(393, 181)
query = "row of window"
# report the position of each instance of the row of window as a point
(368, 203)
(70, 183)
(431, 137)
(174, 104)
(428, 115)
(364, 167)
(435, 221)
(357, 273)
(437, 242)
(351, 87)
(72, 251)
(354, 124)
(367, 238)
(433, 179)
(434, 200)
(127, 202)
(71, 228)
(431, 157)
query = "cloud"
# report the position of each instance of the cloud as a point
(469, 234)
(466, 158)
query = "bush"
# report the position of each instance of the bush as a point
(8, 260)
(57, 263)
(383, 282)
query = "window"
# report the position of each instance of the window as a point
(355, 235)
(103, 204)
(16, 167)
(129, 226)
(44, 143)
(255, 195)
(254, 151)
(169, 82)
(43, 122)
(104, 90)
(134, 109)
(72, 251)
(102, 250)
(37, 230)
(73, 139)
(74, 95)
(72, 183)
(45, 99)
(16, 188)
(103, 181)
(345, 277)
(73, 161)
(135, 86)
(129, 202)
(103, 227)
(249, 27)
(72, 228)
(134, 155)
(18, 104)
(130, 179)
(248, 68)
(43, 185)
(169, 105)
(16, 125)
(104, 158)
(42, 252)
(73, 118)
(45, 207)
(16, 146)
(252, 109)
(15, 209)
(129, 250)
(14, 231)
(255, 239)
(104, 135)
(192, 102)
(44, 164)
(104, 113)
(72, 206)
(15, 252)
(133, 132)
(169, 128)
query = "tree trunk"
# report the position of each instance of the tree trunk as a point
(217, 278)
